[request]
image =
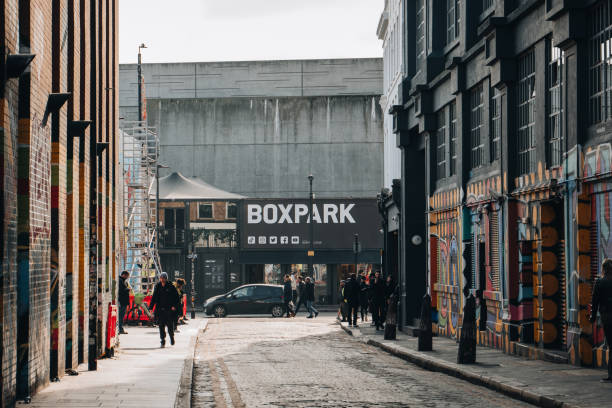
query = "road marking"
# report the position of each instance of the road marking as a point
(231, 385)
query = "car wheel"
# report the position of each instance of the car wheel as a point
(277, 311)
(219, 311)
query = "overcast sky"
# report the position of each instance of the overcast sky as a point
(233, 30)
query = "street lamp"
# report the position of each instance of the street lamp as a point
(157, 223)
(192, 256)
(141, 46)
(310, 220)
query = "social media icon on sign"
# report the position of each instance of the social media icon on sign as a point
(262, 240)
(273, 240)
(251, 240)
(284, 240)
(295, 240)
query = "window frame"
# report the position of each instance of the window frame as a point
(495, 109)
(525, 112)
(555, 58)
(212, 213)
(453, 22)
(227, 210)
(599, 55)
(441, 142)
(452, 137)
(476, 126)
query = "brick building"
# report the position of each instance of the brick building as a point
(59, 200)
(505, 109)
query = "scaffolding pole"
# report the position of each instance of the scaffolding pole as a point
(140, 167)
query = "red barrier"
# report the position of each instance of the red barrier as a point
(111, 328)
(137, 312)
(184, 304)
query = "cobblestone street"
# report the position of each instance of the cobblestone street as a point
(301, 362)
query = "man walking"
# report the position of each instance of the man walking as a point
(351, 294)
(165, 299)
(602, 301)
(301, 290)
(310, 298)
(124, 298)
(288, 296)
(378, 300)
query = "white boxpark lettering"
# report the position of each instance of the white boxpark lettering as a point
(253, 214)
(298, 213)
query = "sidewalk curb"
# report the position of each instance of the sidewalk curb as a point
(183, 393)
(434, 364)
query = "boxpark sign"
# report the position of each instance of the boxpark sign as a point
(284, 224)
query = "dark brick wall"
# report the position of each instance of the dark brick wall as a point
(47, 188)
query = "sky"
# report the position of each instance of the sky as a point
(242, 30)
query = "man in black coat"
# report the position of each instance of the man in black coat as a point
(288, 296)
(309, 293)
(378, 300)
(351, 295)
(602, 301)
(363, 298)
(301, 293)
(166, 301)
(124, 299)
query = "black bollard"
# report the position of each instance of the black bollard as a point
(391, 320)
(467, 341)
(425, 334)
(482, 322)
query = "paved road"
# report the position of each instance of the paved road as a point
(265, 362)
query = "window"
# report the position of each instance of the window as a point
(494, 250)
(420, 29)
(487, 4)
(232, 210)
(554, 105)
(600, 57)
(496, 123)
(525, 113)
(452, 133)
(453, 13)
(205, 211)
(245, 292)
(441, 145)
(476, 133)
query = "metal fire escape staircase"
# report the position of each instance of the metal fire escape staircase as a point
(140, 160)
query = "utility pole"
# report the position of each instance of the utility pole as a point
(356, 251)
(310, 220)
(140, 81)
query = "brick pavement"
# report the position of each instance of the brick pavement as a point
(538, 382)
(140, 375)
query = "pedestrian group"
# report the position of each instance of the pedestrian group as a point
(166, 304)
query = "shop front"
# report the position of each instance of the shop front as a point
(275, 237)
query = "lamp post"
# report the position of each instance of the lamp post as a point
(192, 256)
(310, 220)
(140, 81)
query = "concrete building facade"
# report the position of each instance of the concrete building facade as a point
(259, 128)
(60, 215)
(391, 31)
(505, 115)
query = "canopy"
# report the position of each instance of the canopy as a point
(178, 187)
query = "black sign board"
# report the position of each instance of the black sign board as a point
(283, 224)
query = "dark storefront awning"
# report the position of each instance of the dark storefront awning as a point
(334, 256)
